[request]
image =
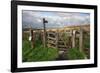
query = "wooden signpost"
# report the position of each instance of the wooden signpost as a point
(44, 33)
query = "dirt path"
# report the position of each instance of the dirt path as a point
(62, 56)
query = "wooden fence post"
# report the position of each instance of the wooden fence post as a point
(57, 37)
(44, 33)
(73, 38)
(32, 38)
(81, 39)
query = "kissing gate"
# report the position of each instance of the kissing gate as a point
(62, 38)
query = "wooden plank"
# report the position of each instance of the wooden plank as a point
(60, 41)
(53, 33)
(65, 49)
(51, 38)
(51, 43)
(61, 46)
(51, 46)
(77, 35)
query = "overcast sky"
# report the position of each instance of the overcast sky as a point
(34, 19)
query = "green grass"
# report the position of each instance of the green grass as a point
(39, 53)
(74, 54)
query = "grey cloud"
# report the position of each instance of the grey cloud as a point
(34, 19)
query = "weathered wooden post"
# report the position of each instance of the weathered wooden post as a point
(81, 39)
(44, 33)
(73, 38)
(57, 38)
(31, 37)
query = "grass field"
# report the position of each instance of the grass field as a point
(39, 53)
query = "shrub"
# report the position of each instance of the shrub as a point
(74, 53)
